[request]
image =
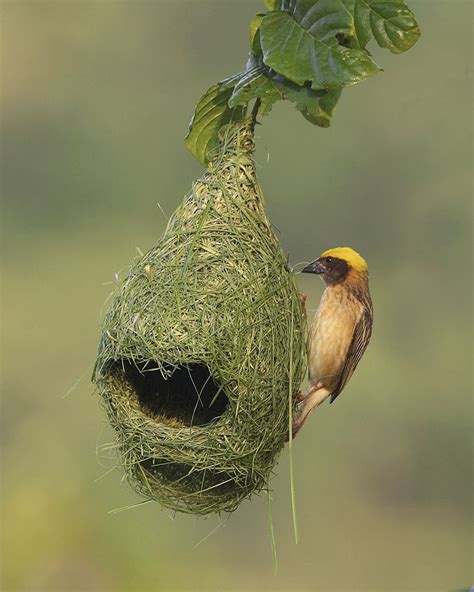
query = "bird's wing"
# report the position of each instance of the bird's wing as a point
(360, 340)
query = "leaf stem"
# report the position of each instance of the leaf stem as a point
(255, 109)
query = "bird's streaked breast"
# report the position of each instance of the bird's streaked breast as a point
(331, 334)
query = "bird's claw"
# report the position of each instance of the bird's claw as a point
(300, 397)
(295, 428)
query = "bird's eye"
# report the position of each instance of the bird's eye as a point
(329, 259)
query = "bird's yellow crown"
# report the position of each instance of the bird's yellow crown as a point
(349, 255)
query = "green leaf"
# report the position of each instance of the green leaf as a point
(390, 22)
(305, 51)
(315, 108)
(304, 45)
(272, 4)
(255, 35)
(254, 83)
(211, 113)
(255, 26)
(328, 103)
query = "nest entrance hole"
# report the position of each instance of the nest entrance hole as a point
(188, 397)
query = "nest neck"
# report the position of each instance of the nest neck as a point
(237, 144)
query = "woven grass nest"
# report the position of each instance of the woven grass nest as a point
(202, 349)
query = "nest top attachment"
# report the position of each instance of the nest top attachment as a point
(203, 345)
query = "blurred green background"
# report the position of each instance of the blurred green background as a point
(96, 100)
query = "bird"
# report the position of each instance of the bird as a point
(341, 329)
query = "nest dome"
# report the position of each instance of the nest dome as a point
(201, 352)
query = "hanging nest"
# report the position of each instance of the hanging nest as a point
(201, 353)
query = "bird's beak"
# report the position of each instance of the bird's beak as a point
(314, 267)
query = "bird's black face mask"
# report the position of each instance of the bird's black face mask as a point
(333, 269)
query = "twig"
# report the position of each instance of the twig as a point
(255, 109)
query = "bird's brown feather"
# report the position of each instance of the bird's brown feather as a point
(360, 340)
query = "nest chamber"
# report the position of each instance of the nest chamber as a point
(202, 346)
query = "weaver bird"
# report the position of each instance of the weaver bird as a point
(341, 328)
